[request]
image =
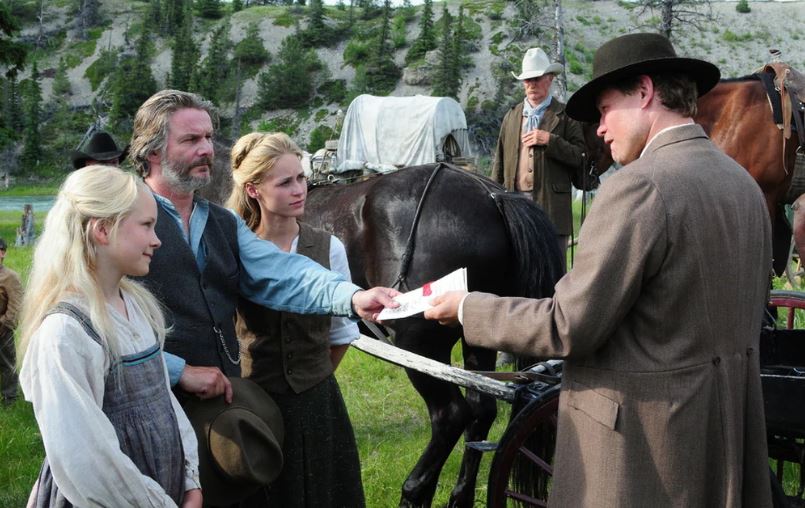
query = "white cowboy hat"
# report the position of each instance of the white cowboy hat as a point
(535, 64)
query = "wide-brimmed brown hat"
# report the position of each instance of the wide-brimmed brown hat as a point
(101, 147)
(239, 444)
(631, 55)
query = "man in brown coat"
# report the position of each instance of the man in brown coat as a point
(539, 148)
(660, 317)
(10, 301)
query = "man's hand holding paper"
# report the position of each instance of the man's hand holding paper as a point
(421, 299)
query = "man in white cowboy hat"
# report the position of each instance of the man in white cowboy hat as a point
(661, 401)
(539, 147)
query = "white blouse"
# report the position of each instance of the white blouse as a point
(63, 375)
(342, 330)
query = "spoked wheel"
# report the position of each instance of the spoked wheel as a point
(522, 469)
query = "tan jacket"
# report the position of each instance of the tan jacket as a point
(552, 165)
(659, 321)
(10, 298)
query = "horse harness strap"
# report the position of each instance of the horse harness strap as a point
(401, 281)
(405, 263)
(784, 87)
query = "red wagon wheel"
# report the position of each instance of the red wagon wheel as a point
(793, 301)
(522, 468)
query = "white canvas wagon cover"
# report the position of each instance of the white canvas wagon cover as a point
(400, 131)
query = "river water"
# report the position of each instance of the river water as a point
(40, 203)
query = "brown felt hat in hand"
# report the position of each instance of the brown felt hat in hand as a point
(633, 55)
(240, 444)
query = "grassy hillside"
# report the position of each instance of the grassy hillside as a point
(496, 35)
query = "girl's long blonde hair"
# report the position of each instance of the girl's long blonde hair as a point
(64, 262)
(253, 157)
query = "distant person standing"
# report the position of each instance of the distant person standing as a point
(539, 147)
(100, 149)
(25, 233)
(10, 300)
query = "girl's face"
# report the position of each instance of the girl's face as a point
(136, 240)
(283, 190)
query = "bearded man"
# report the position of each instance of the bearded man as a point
(209, 257)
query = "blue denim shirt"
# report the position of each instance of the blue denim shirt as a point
(268, 276)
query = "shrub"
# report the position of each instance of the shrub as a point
(742, 6)
(356, 52)
(251, 49)
(318, 136)
(101, 68)
(333, 90)
(287, 124)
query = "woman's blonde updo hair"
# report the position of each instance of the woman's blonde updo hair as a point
(253, 157)
(64, 261)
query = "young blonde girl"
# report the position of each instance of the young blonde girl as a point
(91, 339)
(293, 356)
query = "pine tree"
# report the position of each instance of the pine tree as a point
(296, 65)
(61, 85)
(12, 105)
(87, 16)
(32, 103)
(427, 39)
(446, 81)
(251, 49)
(237, 5)
(214, 69)
(381, 71)
(317, 32)
(185, 56)
(133, 83)
(210, 9)
(12, 53)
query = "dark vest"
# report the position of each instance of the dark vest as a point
(197, 304)
(282, 351)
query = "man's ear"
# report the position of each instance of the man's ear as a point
(646, 90)
(99, 229)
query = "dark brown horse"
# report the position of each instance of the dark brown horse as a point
(415, 226)
(737, 117)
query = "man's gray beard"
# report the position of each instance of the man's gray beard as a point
(180, 179)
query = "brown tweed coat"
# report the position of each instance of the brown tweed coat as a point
(552, 165)
(659, 320)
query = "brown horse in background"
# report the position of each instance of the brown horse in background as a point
(737, 117)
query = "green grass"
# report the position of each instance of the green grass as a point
(390, 419)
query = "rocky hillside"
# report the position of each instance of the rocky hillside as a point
(737, 42)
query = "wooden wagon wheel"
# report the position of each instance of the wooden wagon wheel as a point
(529, 440)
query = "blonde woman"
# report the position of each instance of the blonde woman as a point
(92, 366)
(293, 356)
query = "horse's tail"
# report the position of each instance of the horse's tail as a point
(538, 261)
(538, 265)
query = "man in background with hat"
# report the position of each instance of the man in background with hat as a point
(10, 302)
(661, 401)
(539, 147)
(100, 149)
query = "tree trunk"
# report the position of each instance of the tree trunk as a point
(667, 17)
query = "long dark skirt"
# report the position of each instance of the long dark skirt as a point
(322, 468)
